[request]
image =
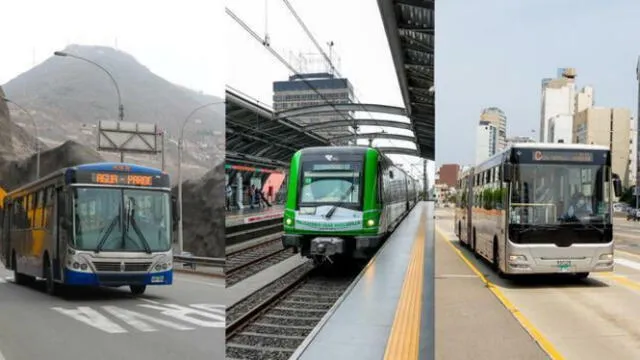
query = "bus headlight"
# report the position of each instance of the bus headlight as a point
(513, 258)
(288, 221)
(163, 264)
(606, 257)
(371, 222)
(78, 263)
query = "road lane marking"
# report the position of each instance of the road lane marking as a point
(187, 314)
(544, 343)
(137, 320)
(200, 315)
(627, 263)
(627, 253)
(91, 317)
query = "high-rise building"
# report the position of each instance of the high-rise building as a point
(557, 107)
(486, 141)
(498, 119)
(608, 127)
(296, 93)
(584, 99)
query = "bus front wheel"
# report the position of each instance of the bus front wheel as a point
(51, 286)
(137, 289)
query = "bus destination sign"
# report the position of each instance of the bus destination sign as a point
(122, 179)
(569, 156)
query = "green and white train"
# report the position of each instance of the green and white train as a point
(342, 202)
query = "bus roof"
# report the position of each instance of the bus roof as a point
(559, 146)
(102, 166)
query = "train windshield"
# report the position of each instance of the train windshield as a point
(121, 220)
(559, 194)
(331, 183)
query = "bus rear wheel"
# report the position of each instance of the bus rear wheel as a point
(137, 289)
(582, 275)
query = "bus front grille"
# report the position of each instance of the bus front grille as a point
(116, 266)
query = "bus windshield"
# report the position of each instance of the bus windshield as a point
(557, 194)
(331, 183)
(121, 220)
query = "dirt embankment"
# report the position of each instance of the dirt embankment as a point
(203, 214)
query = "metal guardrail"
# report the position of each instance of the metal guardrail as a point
(195, 261)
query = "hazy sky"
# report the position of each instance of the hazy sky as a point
(182, 42)
(359, 42)
(496, 52)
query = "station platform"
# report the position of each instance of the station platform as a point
(248, 215)
(388, 310)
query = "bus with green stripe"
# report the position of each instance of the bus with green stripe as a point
(342, 202)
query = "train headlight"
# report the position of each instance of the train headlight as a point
(371, 222)
(288, 221)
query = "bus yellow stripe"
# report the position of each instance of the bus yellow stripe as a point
(544, 343)
(404, 340)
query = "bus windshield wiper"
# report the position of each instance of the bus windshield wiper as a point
(329, 213)
(131, 220)
(538, 227)
(104, 237)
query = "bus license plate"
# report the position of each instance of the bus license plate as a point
(157, 279)
(564, 265)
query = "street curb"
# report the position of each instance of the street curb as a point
(213, 275)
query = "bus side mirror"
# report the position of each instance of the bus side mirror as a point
(617, 186)
(507, 172)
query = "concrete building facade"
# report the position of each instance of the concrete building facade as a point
(498, 119)
(448, 174)
(296, 93)
(557, 107)
(608, 127)
(486, 141)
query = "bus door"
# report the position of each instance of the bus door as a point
(60, 232)
(5, 246)
(469, 208)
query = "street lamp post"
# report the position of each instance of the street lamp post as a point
(180, 148)
(35, 126)
(120, 106)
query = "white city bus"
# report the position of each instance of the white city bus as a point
(540, 208)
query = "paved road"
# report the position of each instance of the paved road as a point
(183, 321)
(596, 318)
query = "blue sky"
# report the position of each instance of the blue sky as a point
(496, 52)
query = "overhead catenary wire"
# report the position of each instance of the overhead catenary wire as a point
(284, 62)
(322, 52)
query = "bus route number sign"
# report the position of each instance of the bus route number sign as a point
(570, 156)
(122, 179)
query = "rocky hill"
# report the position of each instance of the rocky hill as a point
(67, 97)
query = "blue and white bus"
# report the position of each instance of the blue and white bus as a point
(103, 224)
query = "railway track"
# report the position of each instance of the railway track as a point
(237, 234)
(244, 263)
(274, 321)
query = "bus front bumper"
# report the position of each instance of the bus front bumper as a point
(117, 279)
